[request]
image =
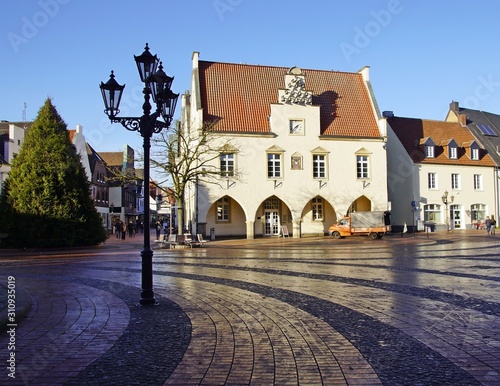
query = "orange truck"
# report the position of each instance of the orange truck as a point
(374, 224)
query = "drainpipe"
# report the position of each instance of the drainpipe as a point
(497, 181)
(196, 191)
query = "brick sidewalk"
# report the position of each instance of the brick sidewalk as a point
(401, 310)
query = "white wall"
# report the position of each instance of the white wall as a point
(466, 195)
(81, 148)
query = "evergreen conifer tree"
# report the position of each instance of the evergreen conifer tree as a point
(45, 200)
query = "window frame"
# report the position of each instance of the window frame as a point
(274, 165)
(455, 181)
(223, 210)
(432, 212)
(478, 212)
(429, 151)
(432, 185)
(363, 164)
(478, 182)
(226, 164)
(474, 154)
(453, 152)
(317, 209)
(320, 167)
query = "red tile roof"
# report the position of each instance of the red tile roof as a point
(238, 97)
(411, 131)
(71, 135)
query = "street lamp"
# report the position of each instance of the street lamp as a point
(157, 85)
(444, 197)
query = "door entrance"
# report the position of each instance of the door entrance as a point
(272, 225)
(455, 217)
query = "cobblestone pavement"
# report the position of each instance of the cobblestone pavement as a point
(314, 311)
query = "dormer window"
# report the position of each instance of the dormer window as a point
(427, 145)
(472, 150)
(453, 152)
(429, 151)
(450, 148)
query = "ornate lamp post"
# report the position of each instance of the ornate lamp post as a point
(156, 85)
(444, 197)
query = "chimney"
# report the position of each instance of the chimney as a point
(79, 129)
(454, 106)
(194, 59)
(462, 119)
(388, 114)
(365, 73)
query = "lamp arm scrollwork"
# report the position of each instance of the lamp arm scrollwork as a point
(130, 123)
(146, 126)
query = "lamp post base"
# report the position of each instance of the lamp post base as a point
(148, 298)
(147, 293)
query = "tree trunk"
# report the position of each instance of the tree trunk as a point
(180, 216)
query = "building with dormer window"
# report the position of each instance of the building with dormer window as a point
(429, 160)
(309, 147)
(485, 128)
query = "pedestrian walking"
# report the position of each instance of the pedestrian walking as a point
(124, 230)
(487, 224)
(118, 229)
(493, 225)
(131, 229)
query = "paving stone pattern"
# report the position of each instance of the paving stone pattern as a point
(316, 311)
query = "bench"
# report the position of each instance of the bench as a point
(172, 240)
(186, 239)
(199, 236)
(180, 240)
(194, 242)
(161, 240)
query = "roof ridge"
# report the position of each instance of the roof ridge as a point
(277, 67)
(426, 119)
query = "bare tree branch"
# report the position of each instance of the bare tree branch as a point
(186, 157)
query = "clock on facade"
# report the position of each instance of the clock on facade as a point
(296, 126)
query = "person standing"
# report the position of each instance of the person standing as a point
(118, 229)
(493, 225)
(158, 230)
(487, 224)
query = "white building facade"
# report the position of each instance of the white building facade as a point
(485, 127)
(431, 160)
(307, 147)
(13, 140)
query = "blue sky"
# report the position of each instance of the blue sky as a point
(421, 54)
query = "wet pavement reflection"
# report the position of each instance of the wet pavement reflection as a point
(400, 310)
